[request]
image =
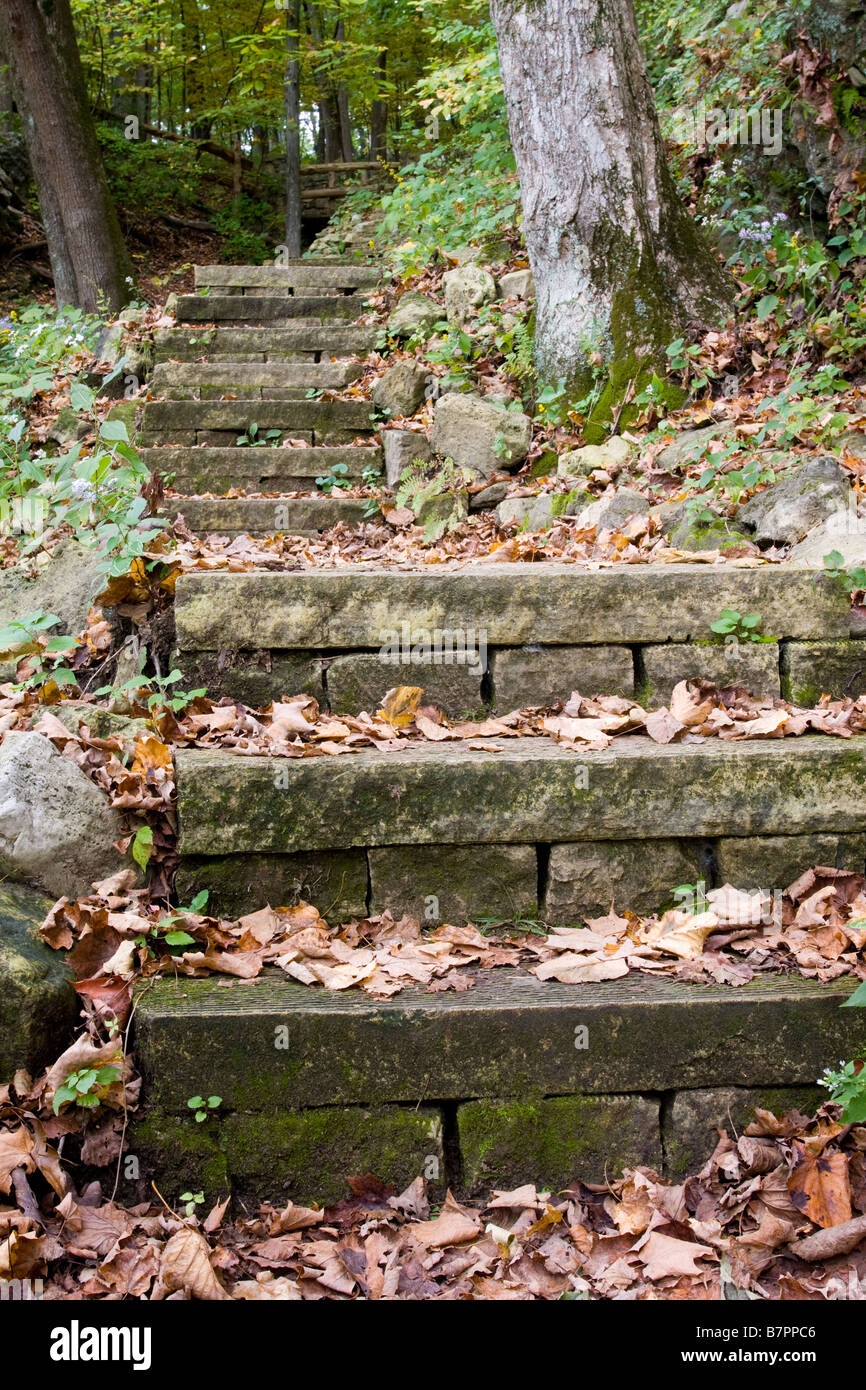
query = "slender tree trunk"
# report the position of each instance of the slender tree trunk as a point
(328, 116)
(379, 114)
(343, 102)
(85, 245)
(620, 267)
(293, 130)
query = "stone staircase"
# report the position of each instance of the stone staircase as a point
(271, 336)
(515, 1080)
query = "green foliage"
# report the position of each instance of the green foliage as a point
(29, 636)
(733, 624)
(157, 694)
(854, 579)
(254, 439)
(422, 485)
(87, 1087)
(190, 1201)
(334, 479)
(202, 1108)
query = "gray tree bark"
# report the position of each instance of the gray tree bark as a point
(293, 129)
(88, 256)
(620, 267)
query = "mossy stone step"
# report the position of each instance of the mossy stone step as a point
(165, 417)
(297, 342)
(201, 470)
(265, 516)
(354, 607)
(273, 1044)
(250, 380)
(243, 308)
(306, 275)
(530, 791)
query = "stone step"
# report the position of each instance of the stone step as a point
(224, 422)
(267, 308)
(249, 380)
(526, 1078)
(265, 516)
(303, 275)
(301, 342)
(544, 604)
(520, 791)
(200, 470)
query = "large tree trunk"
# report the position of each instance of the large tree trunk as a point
(88, 256)
(620, 267)
(293, 129)
(327, 102)
(379, 113)
(343, 101)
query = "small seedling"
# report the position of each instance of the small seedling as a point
(191, 1200)
(168, 931)
(853, 579)
(335, 478)
(254, 439)
(734, 624)
(86, 1087)
(202, 1108)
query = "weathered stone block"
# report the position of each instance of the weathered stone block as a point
(539, 675)
(360, 682)
(511, 1035)
(813, 669)
(692, 1121)
(179, 1155)
(552, 1142)
(257, 516)
(775, 861)
(514, 604)
(523, 791)
(336, 883)
(402, 447)
(166, 417)
(754, 665)
(455, 883)
(403, 388)
(256, 470)
(478, 435)
(585, 878)
(309, 1156)
(253, 678)
(38, 1006)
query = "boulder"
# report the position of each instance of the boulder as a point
(68, 428)
(402, 389)
(786, 512)
(57, 829)
(532, 513)
(415, 315)
(38, 1006)
(488, 497)
(402, 447)
(64, 586)
(578, 463)
(519, 284)
(479, 435)
(688, 445)
(610, 513)
(466, 289)
(844, 532)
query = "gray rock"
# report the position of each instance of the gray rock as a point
(402, 389)
(687, 447)
(705, 535)
(579, 463)
(65, 586)
(786, 512)
(57, 829)
(488, 497)
(402, 447)
(609, 513)
(466, 289)
(469, 429)
(515, 510)
(38, 1006)
(68, 427)
(854, 441)
(844, 532)
(415, 314)
(519, 284)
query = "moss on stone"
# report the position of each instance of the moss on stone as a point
(553, 1141)
(309, 1155)
(179, 1155)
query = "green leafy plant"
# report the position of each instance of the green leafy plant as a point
(730, 623)
(168, 933)
(254, 439)
(156, 693)
(29, 637)
(202, 1108)
(854, 579)
(190, 1201)
(87, 1087)
(335, 478)
(438, 491)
